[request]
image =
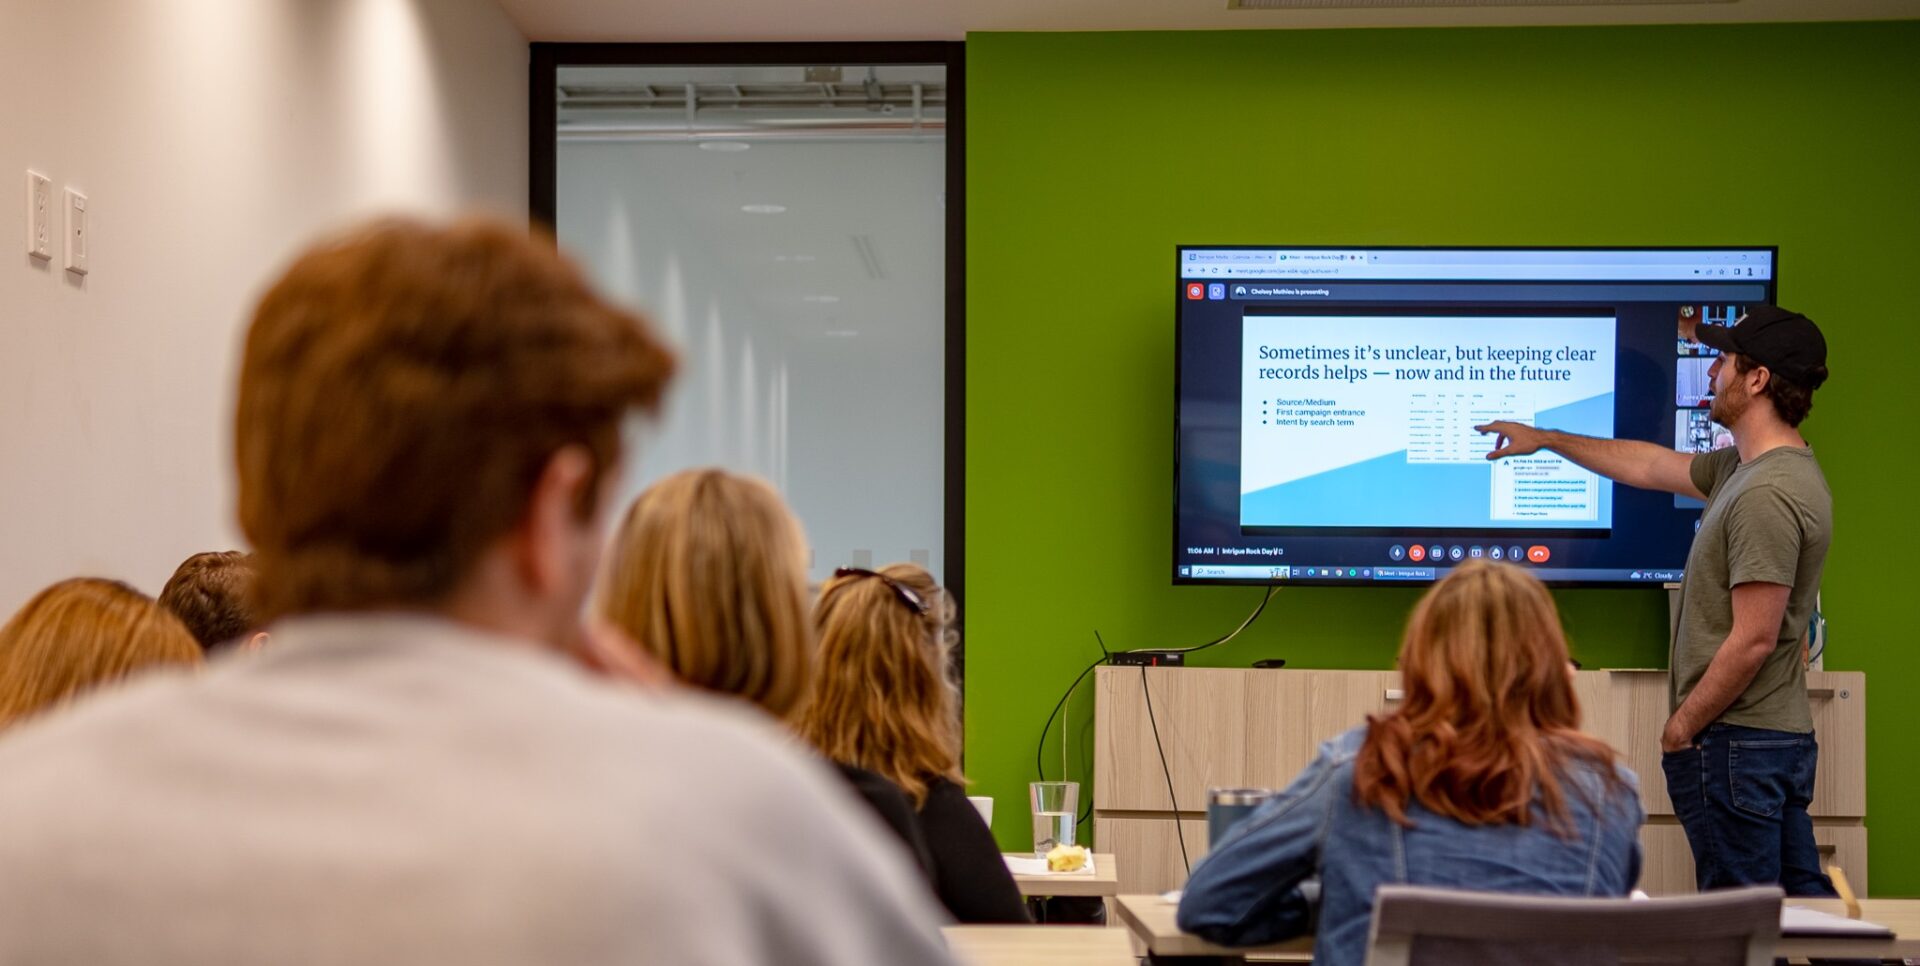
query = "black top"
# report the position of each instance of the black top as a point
(893, 808)
(968, 873)
(953, 845)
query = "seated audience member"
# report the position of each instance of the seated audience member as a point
(1480, 780)
(421, 769)
(883, 701)
(709, 578)
(212, 594)
(79, 634)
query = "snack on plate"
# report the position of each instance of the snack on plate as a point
(1067, 858)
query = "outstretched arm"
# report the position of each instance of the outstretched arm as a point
(1645, 465)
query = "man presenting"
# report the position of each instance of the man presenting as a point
(1738, 749)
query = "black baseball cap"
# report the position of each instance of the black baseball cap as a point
(1787, 343)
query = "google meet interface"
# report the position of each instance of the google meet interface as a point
(1328, 399)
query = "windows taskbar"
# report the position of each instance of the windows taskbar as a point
(1394, 574)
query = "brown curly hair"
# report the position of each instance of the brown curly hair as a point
(212, 593)
(1792, 400)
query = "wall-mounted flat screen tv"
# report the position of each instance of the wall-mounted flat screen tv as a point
(1325, 400)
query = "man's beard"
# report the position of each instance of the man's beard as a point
(1728, 407)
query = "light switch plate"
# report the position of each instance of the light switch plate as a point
(39, 215)
(79, 236)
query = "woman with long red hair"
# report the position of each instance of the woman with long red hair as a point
(1481, 779)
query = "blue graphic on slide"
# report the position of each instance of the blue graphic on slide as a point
(1367, 421)
(1391, 492)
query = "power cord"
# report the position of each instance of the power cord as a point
(1172, 801)
(1230, 635)
(1816, 633)
(1086, 806)
(1040, 751)
(1146, 692)
(1040, 748)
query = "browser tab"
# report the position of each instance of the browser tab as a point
(1478, 264)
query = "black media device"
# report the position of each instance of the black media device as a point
(1148, 659)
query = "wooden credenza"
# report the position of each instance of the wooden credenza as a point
(1232, 728)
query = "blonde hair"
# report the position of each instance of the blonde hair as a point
(81, 633)
(709, 576)
(882, 698)
(1490, 720)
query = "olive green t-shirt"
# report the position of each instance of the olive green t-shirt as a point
(1767, 521)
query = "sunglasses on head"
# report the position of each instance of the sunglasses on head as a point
(907, 595)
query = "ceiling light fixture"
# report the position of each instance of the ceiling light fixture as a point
(763, 209)
(727, 147)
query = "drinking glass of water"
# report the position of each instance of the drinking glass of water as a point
(1056, 811)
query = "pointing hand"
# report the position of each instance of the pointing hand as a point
(1515, 439)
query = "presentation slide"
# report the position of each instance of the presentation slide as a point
(1375, 430)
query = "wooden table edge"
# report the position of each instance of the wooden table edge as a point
(1104, 882)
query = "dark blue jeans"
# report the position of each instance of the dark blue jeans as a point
(1742, 796)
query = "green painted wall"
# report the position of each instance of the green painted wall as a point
(1091, 155)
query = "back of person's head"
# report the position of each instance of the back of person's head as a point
(1489, 720)
(414, 398)
(81, 633)
(882, 697)
(212, 593)
(709, 575)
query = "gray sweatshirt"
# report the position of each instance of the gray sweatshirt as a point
(399, 789)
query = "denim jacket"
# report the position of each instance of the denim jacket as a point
(1248, 890)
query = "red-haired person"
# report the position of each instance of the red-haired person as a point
(1480, 780)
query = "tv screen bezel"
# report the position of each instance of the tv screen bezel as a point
(1179, 347)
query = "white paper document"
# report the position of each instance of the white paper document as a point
(1801, 921)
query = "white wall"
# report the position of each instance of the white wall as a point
(212, 138)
